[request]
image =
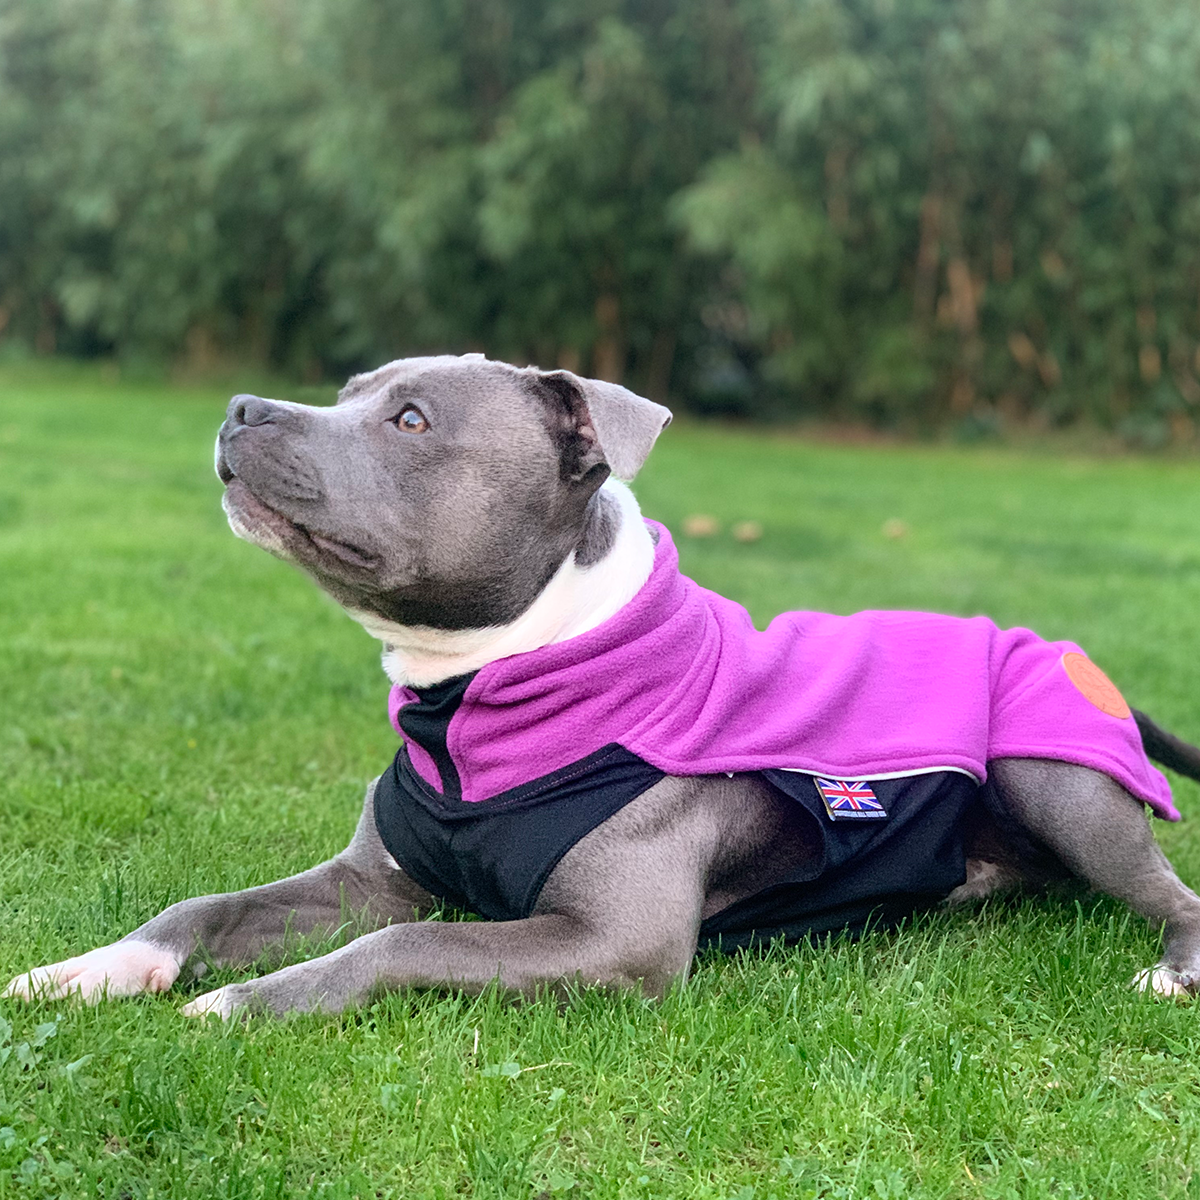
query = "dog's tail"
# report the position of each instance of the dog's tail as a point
(1167, 749)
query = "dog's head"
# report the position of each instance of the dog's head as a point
(441, 492)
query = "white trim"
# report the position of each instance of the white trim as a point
(856, 775)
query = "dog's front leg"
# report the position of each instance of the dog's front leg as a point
(520, 956)
(622, 908)
(234, 928)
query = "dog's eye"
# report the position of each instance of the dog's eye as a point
(411, 420)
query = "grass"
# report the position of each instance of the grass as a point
(180, 713)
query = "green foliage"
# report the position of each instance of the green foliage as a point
(959, 210)
(998, 201)
(147, 175)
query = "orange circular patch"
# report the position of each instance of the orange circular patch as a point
(1095, 686)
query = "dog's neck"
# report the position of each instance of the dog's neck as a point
(575, 600)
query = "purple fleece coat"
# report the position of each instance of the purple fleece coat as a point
(681, 678)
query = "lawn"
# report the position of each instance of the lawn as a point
(180, 713)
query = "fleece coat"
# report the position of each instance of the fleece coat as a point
(681, 679)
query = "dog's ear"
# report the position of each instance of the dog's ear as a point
(602, 423)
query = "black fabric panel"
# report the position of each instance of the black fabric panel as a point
(493, 857)
(428, 720)
(876, 871)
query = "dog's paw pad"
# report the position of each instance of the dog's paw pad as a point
(1162, 981)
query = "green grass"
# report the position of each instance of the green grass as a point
(181, 713)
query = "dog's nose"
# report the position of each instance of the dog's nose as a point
(250, 410)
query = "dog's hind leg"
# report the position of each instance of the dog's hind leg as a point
(1102, 835)
(1002, 857)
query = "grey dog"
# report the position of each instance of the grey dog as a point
(463, 510)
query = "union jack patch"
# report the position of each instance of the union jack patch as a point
(849, 801)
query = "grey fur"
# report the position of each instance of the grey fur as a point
(599, 532)
(460, 528)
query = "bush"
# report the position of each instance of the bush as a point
(915, 213)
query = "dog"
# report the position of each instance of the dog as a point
(608, 761)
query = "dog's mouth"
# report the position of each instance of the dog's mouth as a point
(265, 526)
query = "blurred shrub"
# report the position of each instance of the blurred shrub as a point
(965, 205)
(913, 213)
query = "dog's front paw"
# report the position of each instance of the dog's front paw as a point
(1163, 981)
(121, 969)
(261, 996)
(303, 988)
(223, 1002)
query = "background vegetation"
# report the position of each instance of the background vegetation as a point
(965, 211)
(181, 713)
